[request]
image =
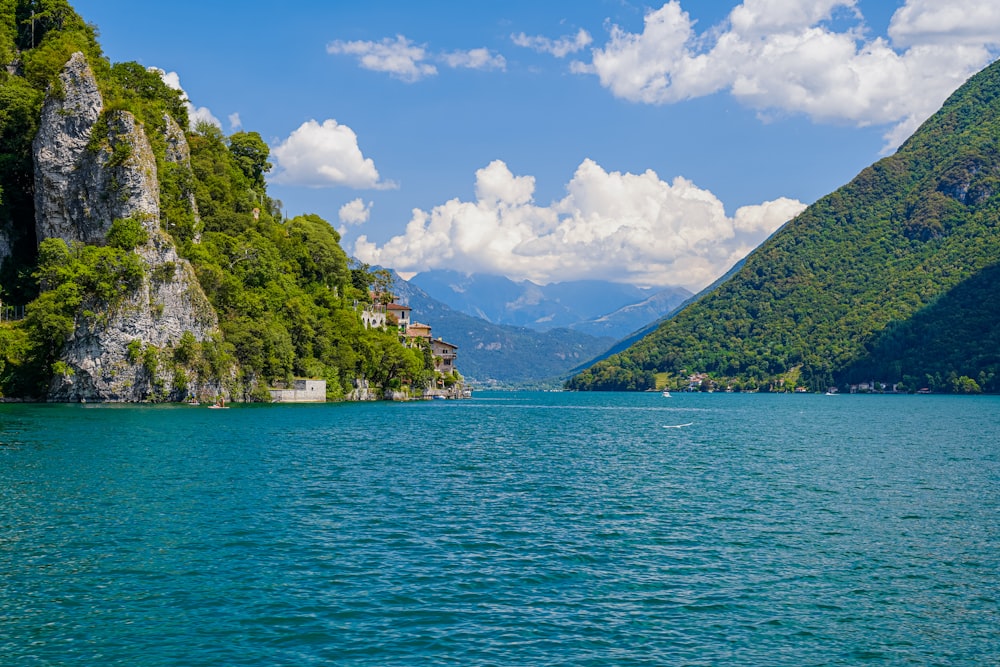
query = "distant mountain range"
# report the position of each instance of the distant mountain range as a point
(504, 355)
(598, 308)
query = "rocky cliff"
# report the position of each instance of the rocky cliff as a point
(93, 167)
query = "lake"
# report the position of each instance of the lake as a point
(514, 528)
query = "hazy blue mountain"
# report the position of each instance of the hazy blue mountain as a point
(502, 354)
(628, 319)
(595, 307)
(637, 335)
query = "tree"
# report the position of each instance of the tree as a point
(251, 153)
(139, 82)
(383, 283)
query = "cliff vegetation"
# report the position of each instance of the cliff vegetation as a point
(123, 228)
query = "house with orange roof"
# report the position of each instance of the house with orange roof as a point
(386, 313)
(417, 330)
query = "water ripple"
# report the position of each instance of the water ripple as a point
(549, 529)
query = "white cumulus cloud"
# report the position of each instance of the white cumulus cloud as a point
(409, 62)
(195, 114)
(623, 227)
(355, 212)
(482, 59)
(560, 47)
(400, 58)
(325, 155)
(783, 55)
(969, 22)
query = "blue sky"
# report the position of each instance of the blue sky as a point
(649, 144)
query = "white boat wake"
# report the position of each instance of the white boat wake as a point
(677, 425)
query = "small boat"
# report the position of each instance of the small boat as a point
(220, 404)
(666, 393)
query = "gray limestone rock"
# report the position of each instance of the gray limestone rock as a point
(92, 168)
(68, 119)
(168, 304)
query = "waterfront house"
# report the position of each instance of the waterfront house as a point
(444, 355)
(417, 330)
(383, 312)
(400, 313)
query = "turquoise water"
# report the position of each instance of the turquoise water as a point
(509, 529)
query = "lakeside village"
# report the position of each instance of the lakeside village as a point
(702, 382)
(383, 312)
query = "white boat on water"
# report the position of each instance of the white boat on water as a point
(666, 393)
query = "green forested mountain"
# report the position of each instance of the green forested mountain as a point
(283, 291)
(891, 278)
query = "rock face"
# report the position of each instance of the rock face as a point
(178, 154)
(92, 168)
(66, 126)
(168, 304)
(5, 249)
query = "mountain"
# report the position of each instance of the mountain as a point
(596, 307)
(904, 250)
(639, 334)
(494, 354)
(627, 319)
(952, 345)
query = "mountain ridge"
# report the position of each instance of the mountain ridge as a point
(600, 308)
(502, 355)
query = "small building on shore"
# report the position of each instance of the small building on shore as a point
(445, 354)
(301, 391)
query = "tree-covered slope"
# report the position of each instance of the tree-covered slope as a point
(814, 298)
(953, 345)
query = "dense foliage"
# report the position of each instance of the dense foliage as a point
(37, 37)
(951, 346)
(284, 291)
(829, 298)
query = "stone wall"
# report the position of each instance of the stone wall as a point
(302, 391)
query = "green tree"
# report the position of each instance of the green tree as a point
(251, 153)
(144, 91)
(126, 234)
